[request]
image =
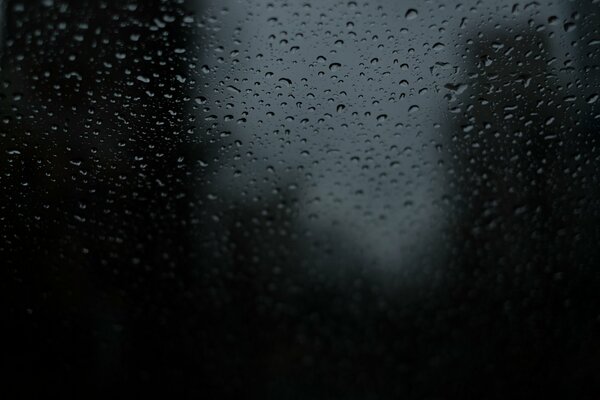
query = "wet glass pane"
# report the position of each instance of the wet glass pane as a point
(301, 199)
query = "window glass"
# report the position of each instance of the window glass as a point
(301, 199)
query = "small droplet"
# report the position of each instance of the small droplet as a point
(411, 13)
(438, 46)
(569, 26)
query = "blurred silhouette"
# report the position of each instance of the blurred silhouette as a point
(94, 200)
(521, 275)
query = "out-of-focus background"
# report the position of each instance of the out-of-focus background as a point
(292, 200)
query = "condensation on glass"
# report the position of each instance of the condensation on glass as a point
(302, 199)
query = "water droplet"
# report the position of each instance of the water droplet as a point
(438, 46)
(569, 26)
(411, 13)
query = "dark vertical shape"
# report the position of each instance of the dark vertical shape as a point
(520, 261)
(95, 190)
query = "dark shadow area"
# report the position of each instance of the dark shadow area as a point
(95, 181)
(522, 279)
